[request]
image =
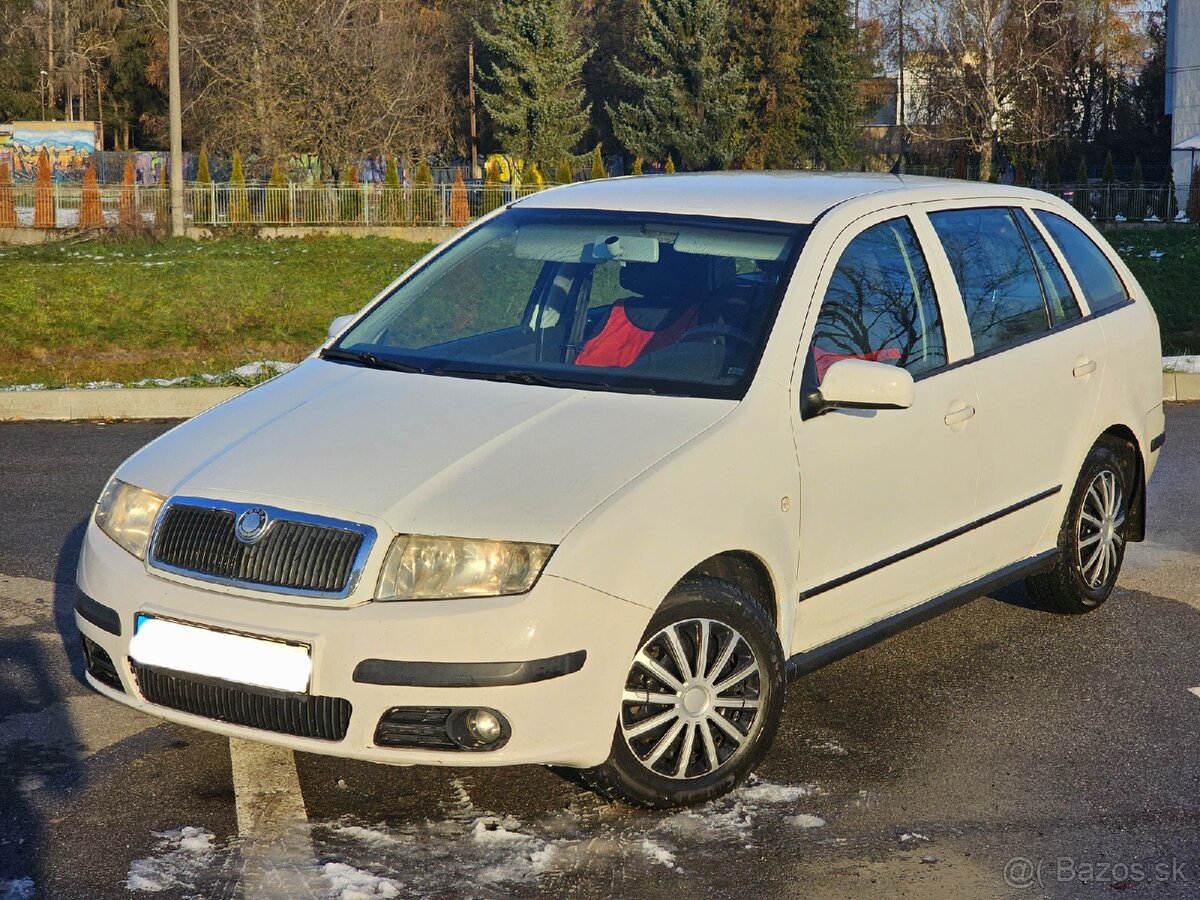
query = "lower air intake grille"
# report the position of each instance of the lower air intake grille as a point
(324, 718)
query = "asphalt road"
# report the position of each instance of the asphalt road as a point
(992, 748)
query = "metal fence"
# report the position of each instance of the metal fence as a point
(445, 205)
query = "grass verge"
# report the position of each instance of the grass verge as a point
(126, 310)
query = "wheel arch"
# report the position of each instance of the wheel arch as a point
(1125, 437)
(745, 571)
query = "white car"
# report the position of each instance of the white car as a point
(587, 485)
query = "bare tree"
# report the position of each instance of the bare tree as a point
(338, 78)
(992, 70)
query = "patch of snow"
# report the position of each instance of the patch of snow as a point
(186, 852)
(766, 792)
(349, 883)
(1153, 218)
(19, 889)
(1185, 364)
(912, 836)
(1156, 254)
(657, 853)
(804, 820)
(1118, 218)
(496, 830)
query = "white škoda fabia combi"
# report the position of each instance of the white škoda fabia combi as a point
(591, 482)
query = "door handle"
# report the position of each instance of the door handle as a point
(958, 413)
(1084, 368)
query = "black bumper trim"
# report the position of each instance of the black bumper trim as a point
(97, 613)
(397, 673)
(1158, 442)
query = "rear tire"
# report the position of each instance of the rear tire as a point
(702, 700)
(1091, 542)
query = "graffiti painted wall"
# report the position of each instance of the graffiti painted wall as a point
(70, 145)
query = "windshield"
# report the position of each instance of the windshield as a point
(608, 301)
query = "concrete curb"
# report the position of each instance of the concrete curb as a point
(124, 403)
(183, 403)
(1181, 386)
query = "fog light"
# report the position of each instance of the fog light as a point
(478, 729)
(483, 726)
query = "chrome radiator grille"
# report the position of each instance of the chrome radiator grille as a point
(296, 553)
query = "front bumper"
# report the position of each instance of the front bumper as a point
(562, 710)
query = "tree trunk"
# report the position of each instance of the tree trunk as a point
(985, 159)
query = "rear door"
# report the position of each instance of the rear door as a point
(883, 492)
(1037, 364)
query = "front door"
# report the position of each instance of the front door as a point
(884, 491)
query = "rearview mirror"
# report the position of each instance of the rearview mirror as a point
(336, 326)
(861, 384)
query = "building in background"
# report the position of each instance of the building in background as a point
(1183, 86)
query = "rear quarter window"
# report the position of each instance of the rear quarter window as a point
(1102, 286)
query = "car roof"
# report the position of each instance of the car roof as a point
(798, 197)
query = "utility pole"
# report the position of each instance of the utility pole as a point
(475, 173)
(50, 50)
(42, 91)
(176, 118)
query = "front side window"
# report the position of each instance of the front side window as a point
(574, 298)
(1101, 285)
(880, 304)
(995, 275)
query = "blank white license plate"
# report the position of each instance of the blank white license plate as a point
(163, 644)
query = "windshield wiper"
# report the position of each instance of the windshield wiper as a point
(524, 376)
(370, 360)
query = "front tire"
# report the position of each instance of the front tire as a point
(701, 701)
(1091, 543)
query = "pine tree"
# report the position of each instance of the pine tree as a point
(769, 36)
(239, 202)
(564, 175)
(90, 213)
(692, 103)
(598, 170)
(531, 179)
(637, 166)
(8, 210)
(128, 216)
(834, 65)
(460, 204)
(493, 192)
(426, 199)
(535, 95)
(278, 205)
(44, 213)
(1053, 178)
(391, 200)
(1083, 198)
(350, 197)
(202, 195)
(669, 168)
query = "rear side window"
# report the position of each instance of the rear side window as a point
(1102, 287)
(995, 275)
(1059, 299)
(880, 304)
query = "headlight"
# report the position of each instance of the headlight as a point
(439, 568)
(126, 514)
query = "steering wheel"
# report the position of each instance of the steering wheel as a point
(709, 334)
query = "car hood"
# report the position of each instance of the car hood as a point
(423, 454)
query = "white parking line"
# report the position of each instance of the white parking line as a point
(1195, 690)
(276, 848)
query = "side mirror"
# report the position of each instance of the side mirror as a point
(336, 326)
(860, 384)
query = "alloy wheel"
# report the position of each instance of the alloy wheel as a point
(691, 700)
(1099, 531)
